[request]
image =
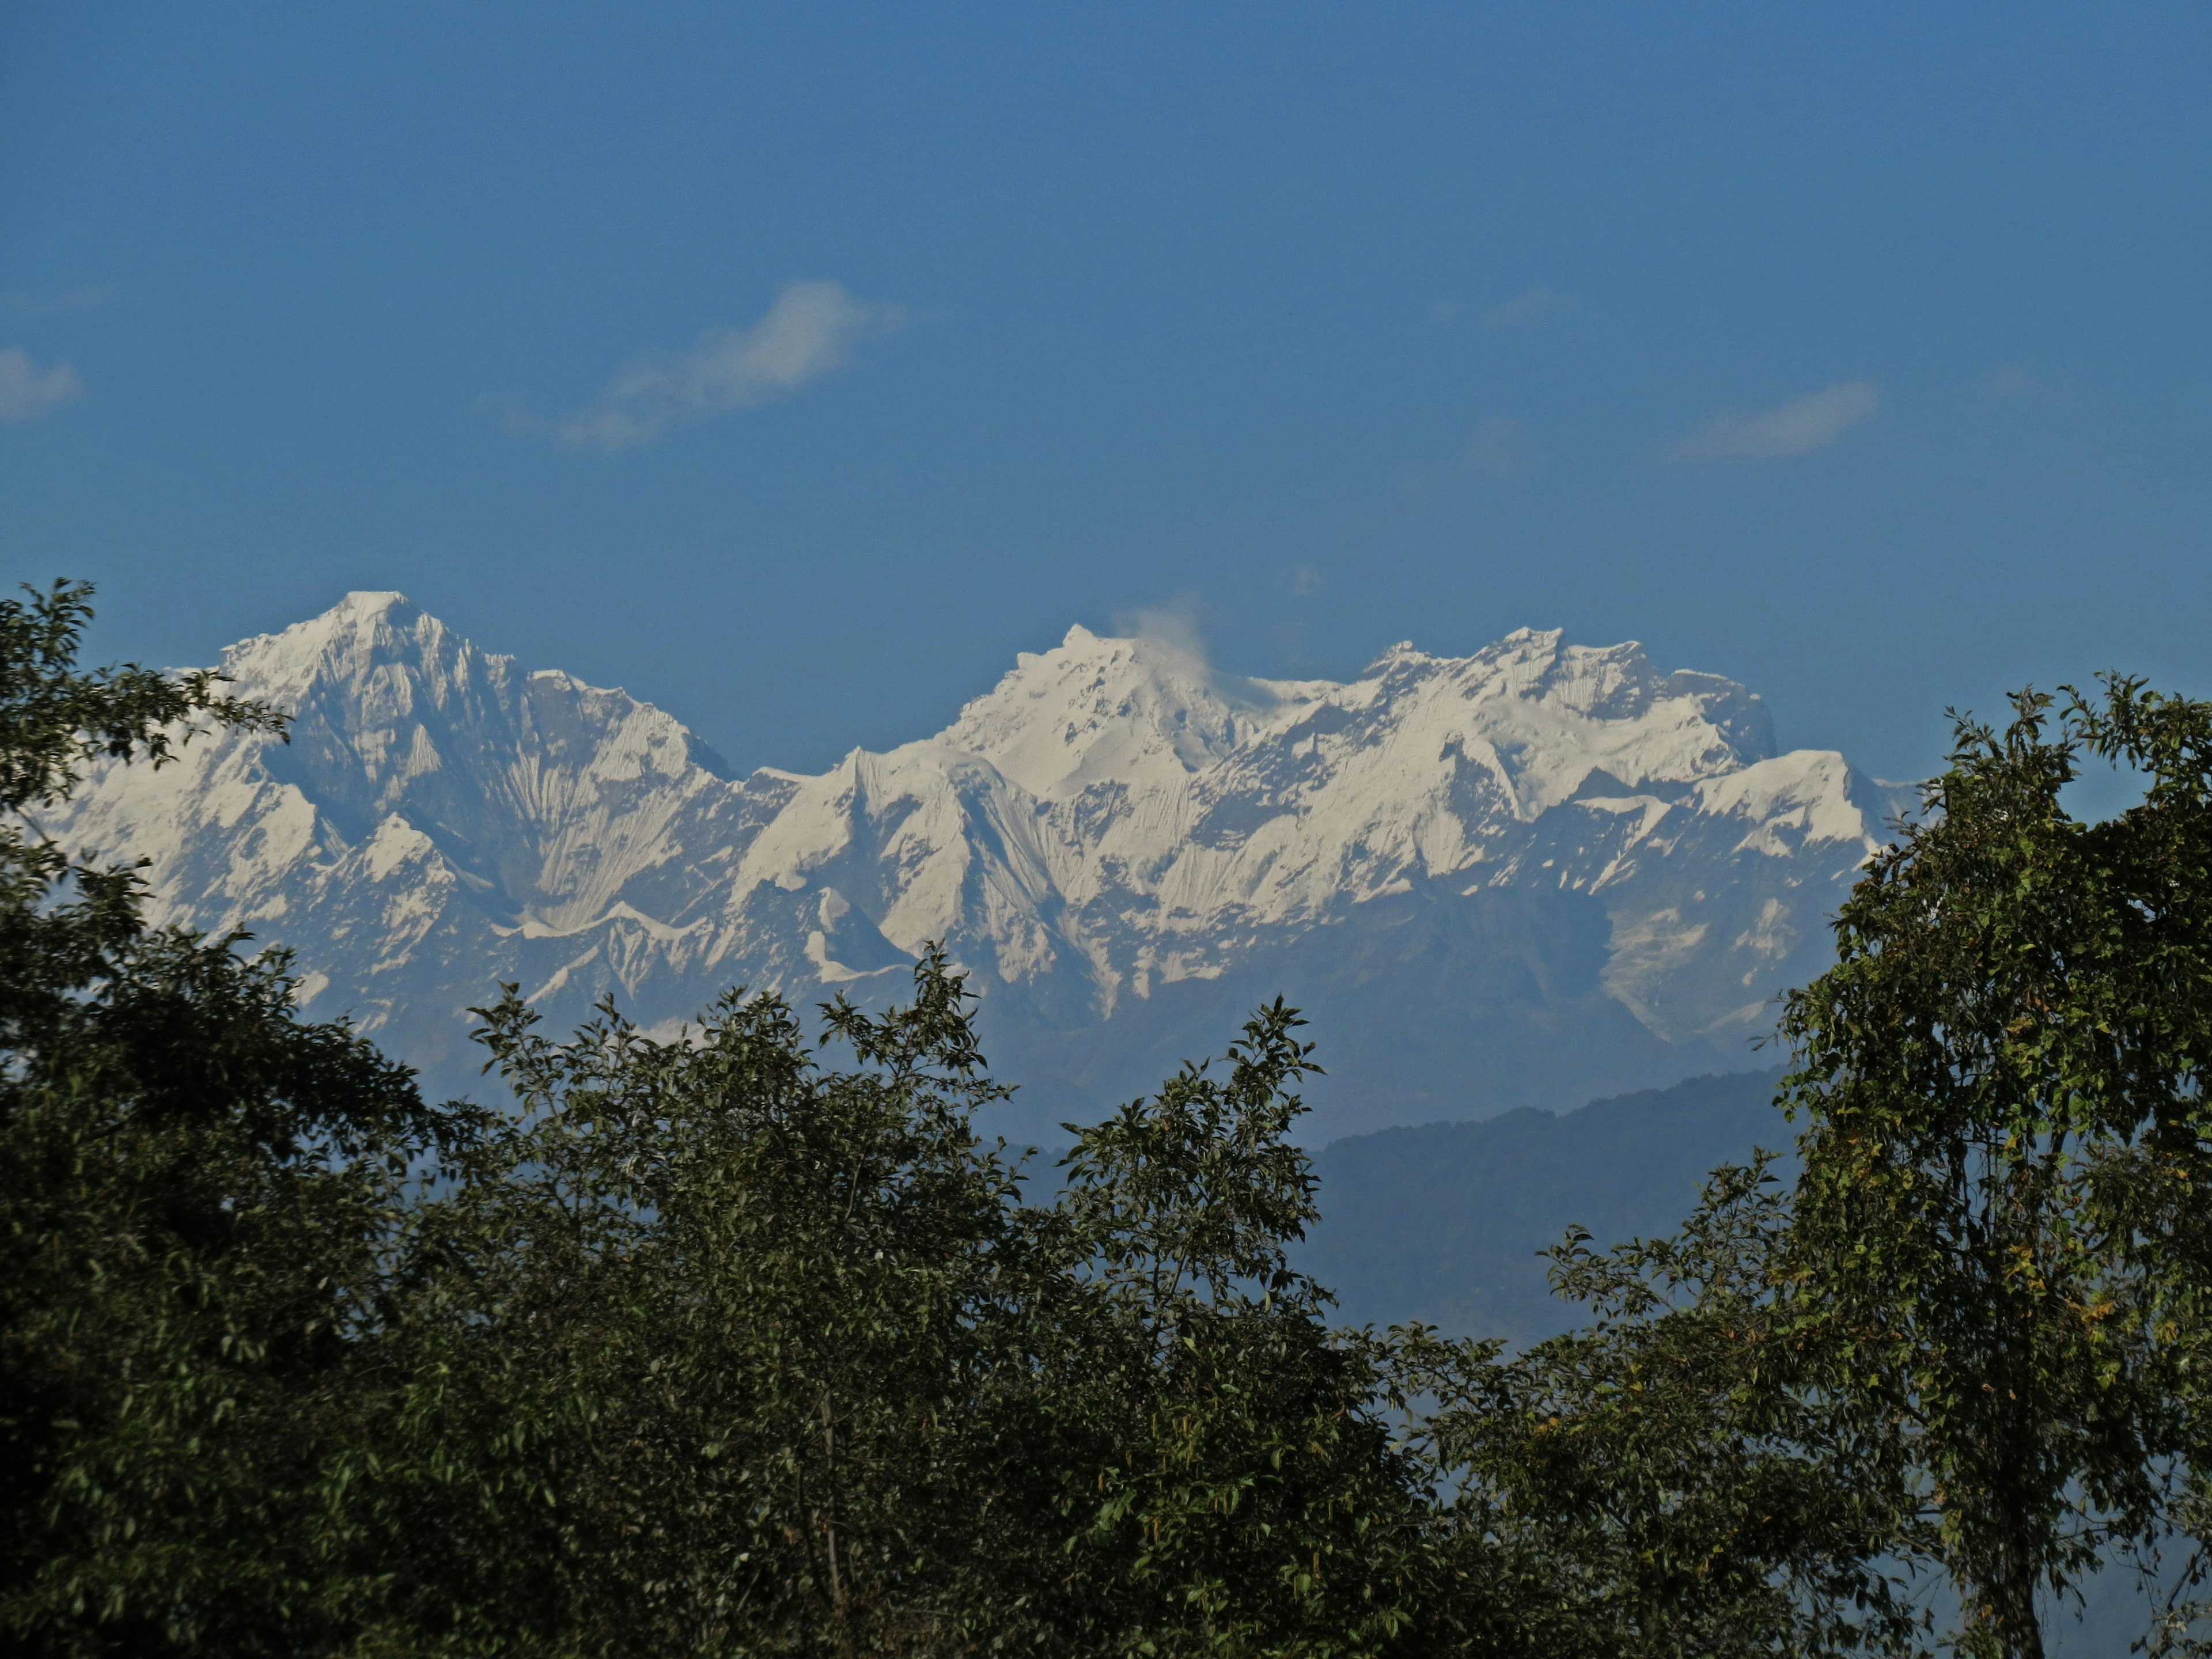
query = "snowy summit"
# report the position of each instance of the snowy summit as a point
(1524, 876)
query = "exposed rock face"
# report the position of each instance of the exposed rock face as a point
(1525, 876)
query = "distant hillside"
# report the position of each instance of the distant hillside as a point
(1442, 1222)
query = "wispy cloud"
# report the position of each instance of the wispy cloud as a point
(1528, 308)
(811, 330)
(1796, 427)
(1179, 623)
(1305, 581)
(28, 393)
(1500, 446)
(23, 304)
(2012, 383)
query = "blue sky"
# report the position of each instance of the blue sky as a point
(793, 366)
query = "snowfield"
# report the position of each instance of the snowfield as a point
(1523, 877)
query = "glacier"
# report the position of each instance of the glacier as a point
(1529, 875)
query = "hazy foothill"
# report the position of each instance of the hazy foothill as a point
(741, 1338)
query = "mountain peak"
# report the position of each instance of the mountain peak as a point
(370, 599)
(1539, 861)
(1390, 656)
(1543, 639)
(1100, 708)
(341, 643)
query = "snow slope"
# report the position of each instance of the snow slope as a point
(1525, 876)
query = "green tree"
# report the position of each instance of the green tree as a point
(1253, 1498)
(714, 1347)
(2003, 1088)
(62, 918)
(194, 1188)
(1662, 1483)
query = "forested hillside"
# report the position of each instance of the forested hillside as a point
(1444, 1223)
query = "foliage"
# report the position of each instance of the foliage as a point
(706, 1343)
(716, 1349)
(1251, 1500)
(193, 1187)
(745, 1341)
(712, 1348)
(54, 719)
(59, 918)
(2005, 1159)
(1661, 1483)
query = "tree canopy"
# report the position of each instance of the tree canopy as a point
(749, 1341)
(1996, 1241)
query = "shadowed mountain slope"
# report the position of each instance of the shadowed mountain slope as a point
(1441, 1224)
(1535, 873)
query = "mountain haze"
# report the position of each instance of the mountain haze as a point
(1443, 1223)
(1525, 877)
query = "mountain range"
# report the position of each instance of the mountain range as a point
(1524, 877)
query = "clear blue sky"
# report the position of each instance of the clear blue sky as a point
(794, 366)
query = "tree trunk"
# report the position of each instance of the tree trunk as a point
(2006, 1603)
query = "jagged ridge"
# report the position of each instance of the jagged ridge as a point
(1540, 871)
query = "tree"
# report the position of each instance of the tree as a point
(1252, 1496)
(714, 1347)
(194, 1185)
(707, 1347)
(60, 918)
(1661, 1483)
(2003, 1087)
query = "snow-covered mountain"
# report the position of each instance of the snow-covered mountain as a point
(1527, 876)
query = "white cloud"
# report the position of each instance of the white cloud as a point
(1528, 308)
(2013, 382)
(25, 304)
(1500, 446)
(810, 331)
(1178, 623)
(1305, 581)
(27, 393)
(1796, 427)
